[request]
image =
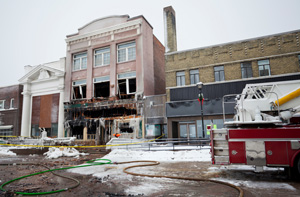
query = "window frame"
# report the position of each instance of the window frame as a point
(193, 76)
(126, 51)
(80, 61)
(102, 54)
(220, 73)
(12, 102)
(180, 77)
(127, 78)
(80, 88)
(2, 107)
(246, 69)
(264, 67)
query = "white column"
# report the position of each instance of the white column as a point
(25, 128)
(61, 116)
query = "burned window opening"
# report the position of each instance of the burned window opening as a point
(132, 85)
(79, 92)
(113, 112)
(92, 129)
(125, 128)
(77, 131)
(122, 86)
(127, 88)
(101, 89)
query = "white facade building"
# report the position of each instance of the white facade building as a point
(43, 95)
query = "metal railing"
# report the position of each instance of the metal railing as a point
(168, 144)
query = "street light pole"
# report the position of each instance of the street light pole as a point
(201, 98)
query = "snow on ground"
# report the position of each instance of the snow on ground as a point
(258, 184)
(54, 153)
(6, 151)
(151, 185)
(120, 155)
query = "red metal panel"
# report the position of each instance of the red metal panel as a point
(277, 153)
(237, 152)
(286, 132)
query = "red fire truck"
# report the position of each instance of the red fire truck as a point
(265, 130)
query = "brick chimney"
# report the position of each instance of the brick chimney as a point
(170, 29)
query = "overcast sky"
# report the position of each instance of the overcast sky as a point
(33, 32)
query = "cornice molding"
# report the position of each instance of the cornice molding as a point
(57, 72)
(105, 32)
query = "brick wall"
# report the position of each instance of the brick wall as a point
(282, 50)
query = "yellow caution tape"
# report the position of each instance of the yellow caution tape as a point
(8, 136)
(81, 146)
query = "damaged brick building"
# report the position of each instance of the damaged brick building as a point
(112, 65)
(10, 110)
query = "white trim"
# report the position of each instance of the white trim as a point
(25, 78)
(106, 31)
(11, 103)
(3, 105)
(6, 127)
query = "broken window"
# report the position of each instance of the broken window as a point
(101, 86)
(127, 83)
(79, 89)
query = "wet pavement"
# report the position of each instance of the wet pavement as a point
(270, 183)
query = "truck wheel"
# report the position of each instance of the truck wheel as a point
(296, 168)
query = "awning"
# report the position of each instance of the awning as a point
(2, 127)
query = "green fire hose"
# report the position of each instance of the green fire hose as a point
(90, 163)
(107, 161)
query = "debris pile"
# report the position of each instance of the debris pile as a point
(54, 153)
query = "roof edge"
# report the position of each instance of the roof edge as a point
(233, 42)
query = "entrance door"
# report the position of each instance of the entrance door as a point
(187, 130)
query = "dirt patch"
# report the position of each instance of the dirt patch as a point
(133, 186)
(30, 151)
